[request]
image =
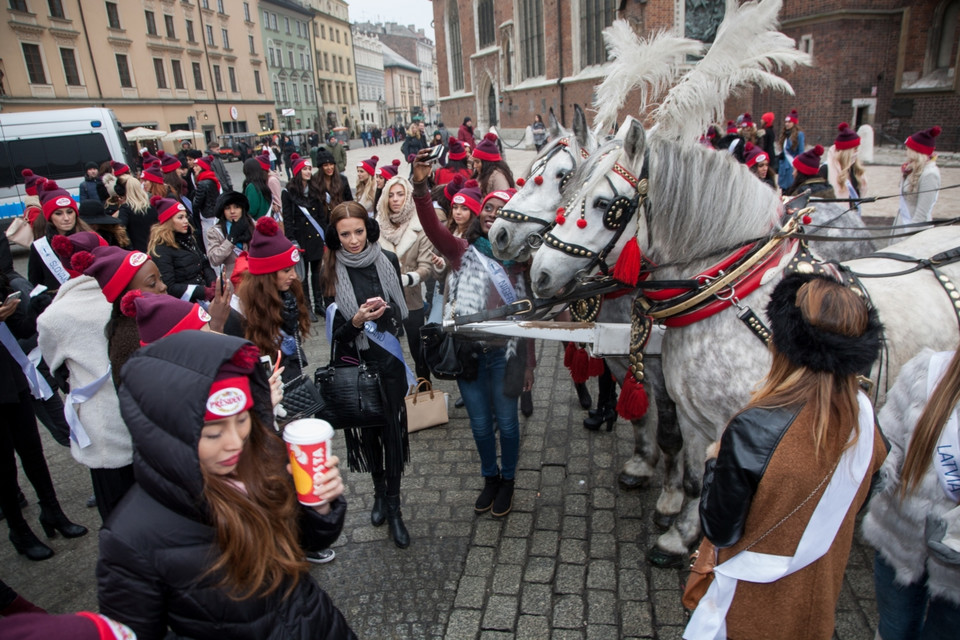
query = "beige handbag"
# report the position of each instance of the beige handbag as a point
(425, 407)
(19, 232)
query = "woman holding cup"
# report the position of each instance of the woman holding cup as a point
(185, 550)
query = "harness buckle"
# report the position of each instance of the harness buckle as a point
(526, 302)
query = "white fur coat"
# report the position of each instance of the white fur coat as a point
(72, 331)
(895, 528)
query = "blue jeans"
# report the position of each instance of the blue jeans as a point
(484, 400)
(908, 612)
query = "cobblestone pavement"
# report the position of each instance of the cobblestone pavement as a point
(567, 563)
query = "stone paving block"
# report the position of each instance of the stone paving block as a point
(500, 613)
(577, 483)
(575, 505)
(860, 580)
(602, 574)
(552, 475)
(632, 585)
(471, 593)
(573, 551)
(667, 608)
(630, 556)
(851, 625)
(532, 628)
(479, 562)
(602, 632)
(524, 500)
(512, 550)
(603, 498)
(603, 545)
(574, 527)
(487, 533)
(551, 495)
(506, 579)
(535, 599)
(496, 635)
(464, 624)
(544, 543)
(602, 521)
(539, 570)
(567, 634)
(463, 499)
(555, 455)
(670, 633)
(579, 465)
(601, 607)
(636, 618)
(367, 534)
(548, 518)
(449, 529)
(667, 579)
(569, 579)
(568, 612)
(519, 525)
(529, 478)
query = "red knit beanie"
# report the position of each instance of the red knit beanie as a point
(153, 174)
(264, 159)
(168, 162)
(369, 165)
(52, 197)
(501, 195)
(166, 208)
(388, 171)
(230, 392)
(747, 121)
(754, 155)
(808, 162)
(455, 150)
(31, 181)
(112, 267)
(792, 117)
(299, 163)
(847, 138)
(487, 149)
(119, 168)
(732, 127)
(148, 160)
(924, 141)
(206, 162)
(160, 315)
(73, 246)
(470, 196)
(270, 251)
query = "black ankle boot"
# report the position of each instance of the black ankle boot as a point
(28, 544)
(398, 531)
(608, 414)
(583, 395)
(378, 515)
(52, 519)
(491, 484)
(504, 500)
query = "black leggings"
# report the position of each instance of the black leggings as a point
(20, 437)
(411, 325)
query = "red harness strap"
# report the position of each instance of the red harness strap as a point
(708, 274)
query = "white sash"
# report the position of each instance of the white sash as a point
(315, 224)
(79, 396)
(51, 259)
(39, 388)
(708, 621)
(498, 276)
(947, 455)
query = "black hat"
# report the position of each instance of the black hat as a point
(324, 157)
(91, 212)
(90, 165)
(231, 197)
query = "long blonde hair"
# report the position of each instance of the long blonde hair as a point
(137, 198)
(916, 162)
(366, 190)
(162, 233)
(849, 162)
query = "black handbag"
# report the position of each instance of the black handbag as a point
(351, 393)
(301, 398)
(447, 358)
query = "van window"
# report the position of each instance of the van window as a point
(55, 158)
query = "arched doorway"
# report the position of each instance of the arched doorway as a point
(492, 106)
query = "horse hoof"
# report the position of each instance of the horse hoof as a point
(659, 558)
(630, 482)
(663, 520)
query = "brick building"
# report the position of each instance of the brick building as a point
(889, 63)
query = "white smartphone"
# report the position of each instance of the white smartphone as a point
(13, 296)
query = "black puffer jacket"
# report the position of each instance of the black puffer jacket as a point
(205, 199)
(157, 544)
(183, 267)
(138, 225)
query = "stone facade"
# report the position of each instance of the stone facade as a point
(288, 52)
(368, 54)
(336, 77)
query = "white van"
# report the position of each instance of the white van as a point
(55, 144)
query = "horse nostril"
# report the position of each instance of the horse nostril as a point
(500, 239)
(543, 281)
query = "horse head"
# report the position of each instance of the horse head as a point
(531, 211)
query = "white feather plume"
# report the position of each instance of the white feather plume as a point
(747, 51)
(651, 64)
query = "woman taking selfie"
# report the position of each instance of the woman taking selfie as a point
(210, 541)
(364, 282)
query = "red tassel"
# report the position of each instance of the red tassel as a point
(580, 366)
(595, 367)
(568, 354)
(627, 269)
(521, 182)
(633, 402)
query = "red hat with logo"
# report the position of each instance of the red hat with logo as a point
(264, 159)
(168, 163)
(793, 117)
(732, 127)
(747, 121)
(487, 149)
(388, 171)
(847, 138)
(299, 163)
(52, 197)
(270, 251)
(455, 149)
(453, 187)
(77, 244)
(808, 162)
(206, 162)
(119, 168)
(370, 165)
(504, 195)
(230, 392)
(112, 267)
(160, 315)
(153, 173)
(924, 141)
(470, 196)
(166, 208)
(754, 155)
(31, 181)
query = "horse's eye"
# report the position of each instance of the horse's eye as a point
(561, 175)
(601, 203)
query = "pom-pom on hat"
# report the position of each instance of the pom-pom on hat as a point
(149, 159)
(52, 197)
(455, 150)
(732, 127)
(119, 168)
(793, 117)
(808, 162)
(230, 392)
(299, 163)
(166, 208)
(270, 251)
(264, 159)
(78, 244)
(487, 149)
(206, 162)
(113, 268)
(31, 181)
(924, 141)
(160, 315)
(370, 165)
(388, 171)
(453, 187)
(754, 155)
(747, 121)
(470, 196)
(168, 163)
(504, 195)
(153, 174)
(847, 138)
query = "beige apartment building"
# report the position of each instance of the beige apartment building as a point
(336, 77)
(166, 64)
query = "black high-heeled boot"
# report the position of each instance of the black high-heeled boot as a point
(378, 515)
(608, 414)
(398, 531)
(53, 519)
(583, 395)
(28, 544)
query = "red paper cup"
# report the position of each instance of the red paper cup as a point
(308, 443)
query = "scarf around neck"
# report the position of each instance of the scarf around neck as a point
(394, 225)
(346, 297)
(207, 174)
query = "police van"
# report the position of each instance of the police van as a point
(55, 144)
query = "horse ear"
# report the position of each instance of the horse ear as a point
(554, 125)
(580, 128)
(634, 139)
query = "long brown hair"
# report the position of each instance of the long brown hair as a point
(256, 528)
(793, 133)
(344, 210)
(929, 427)
(43, 228)
(263, 309)
(162, 189)
(332, 185)
(831, 307)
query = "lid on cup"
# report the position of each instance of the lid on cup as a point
(307, 431)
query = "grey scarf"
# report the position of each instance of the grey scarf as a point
(346, 297)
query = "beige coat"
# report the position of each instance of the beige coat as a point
(413, 251)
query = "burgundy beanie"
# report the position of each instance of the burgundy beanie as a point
(747, 121)
(712, 132)
(230, 392)
(755, 154)
(52, 197)
(847, 138)
(79, 243)
(455, 149)
(206, 162)
(149, 160)
(388, 171)
(299, 163)
(76, 626)
(487, 149)
(31, 181)
(732, 127)
(119, 168)
(166, 208)
(270, 251)
(159, 315)
(114, 268)
(470, 196)
(504, 195)
(453, 187)
(808, 162)
(792, 117)
(168, 162)
(924, 141)
(264, 159)
(370, 165)
(153, 174)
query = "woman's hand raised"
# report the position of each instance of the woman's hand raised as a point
(422, 168)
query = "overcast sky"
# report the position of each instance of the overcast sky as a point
(405, 12)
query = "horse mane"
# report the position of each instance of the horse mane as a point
(702, 201)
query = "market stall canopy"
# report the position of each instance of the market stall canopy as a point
(142, 133)
(179, 134)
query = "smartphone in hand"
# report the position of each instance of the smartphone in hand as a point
(13, 296)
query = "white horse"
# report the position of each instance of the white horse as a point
(701, 206)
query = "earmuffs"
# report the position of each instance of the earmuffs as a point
(332, 240)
